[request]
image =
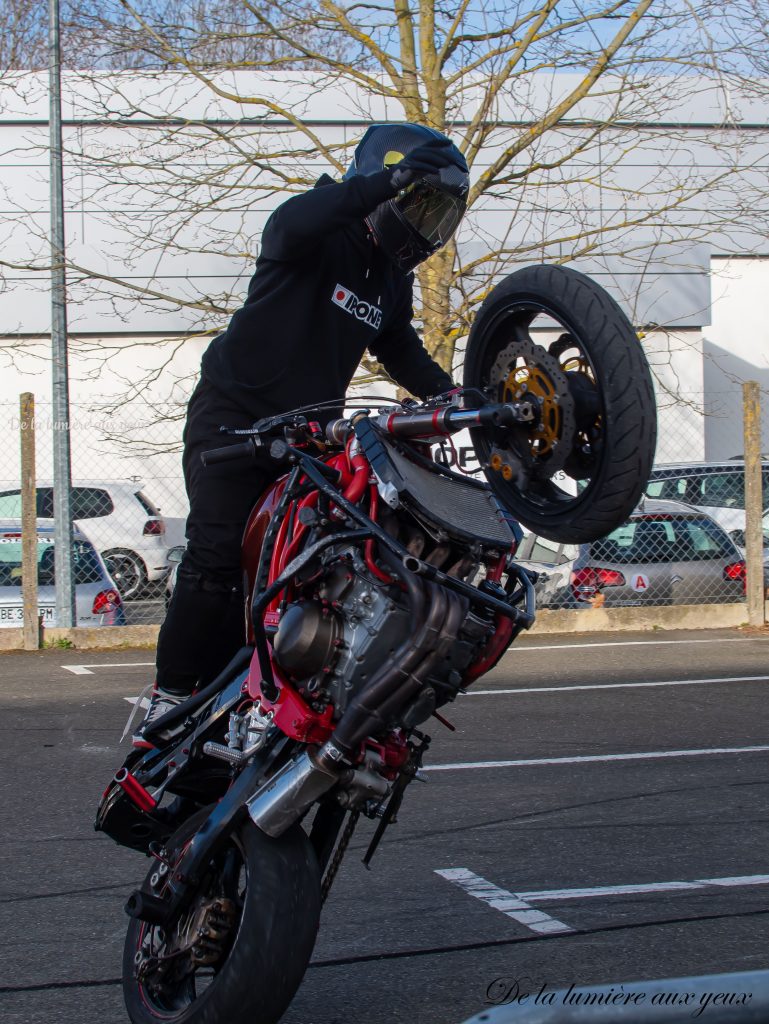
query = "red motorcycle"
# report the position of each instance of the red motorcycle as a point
(380, 584)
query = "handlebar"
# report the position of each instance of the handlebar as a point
(444, 420)
(422, 423)
(279, 451)
(451, 420)
(230, 453)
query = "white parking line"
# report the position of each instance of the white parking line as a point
(87, 670)
(593, 758)
(517, 905)
(618, 686)
(545, 895)
(627, 643)
(143, 702)
(510, 904)
(84, 670)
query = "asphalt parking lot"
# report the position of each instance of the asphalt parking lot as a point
(600, 815)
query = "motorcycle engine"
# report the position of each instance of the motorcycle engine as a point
(333, 641)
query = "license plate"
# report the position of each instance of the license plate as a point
(15, 615)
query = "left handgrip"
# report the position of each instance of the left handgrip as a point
(229, 453)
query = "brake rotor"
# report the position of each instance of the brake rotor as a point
(201, 939)
(525, 370)
(588, 413)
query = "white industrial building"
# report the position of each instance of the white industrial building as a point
(675, 208)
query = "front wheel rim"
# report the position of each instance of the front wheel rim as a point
(575, 369)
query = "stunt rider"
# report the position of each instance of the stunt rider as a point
(333, 278)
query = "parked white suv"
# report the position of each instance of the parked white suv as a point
(118, 518)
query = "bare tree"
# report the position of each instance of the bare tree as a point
(23, 35)
(550, 100)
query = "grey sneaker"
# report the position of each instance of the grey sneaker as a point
(160, 703)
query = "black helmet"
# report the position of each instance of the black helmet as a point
(424, 215)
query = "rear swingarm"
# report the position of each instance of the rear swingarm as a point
(187, 872)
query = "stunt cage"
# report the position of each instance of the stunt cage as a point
(343, 481)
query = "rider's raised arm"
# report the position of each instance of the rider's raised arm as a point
(400, 350)
(305, 220)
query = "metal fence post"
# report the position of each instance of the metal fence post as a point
(31, 628)
(62, 474)
(754, 546)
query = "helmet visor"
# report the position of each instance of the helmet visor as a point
(433, 213)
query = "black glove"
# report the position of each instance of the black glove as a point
(426, 159)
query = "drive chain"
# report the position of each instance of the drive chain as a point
(338, 855)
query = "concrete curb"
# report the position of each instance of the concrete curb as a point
(83, 638)
(589, 620)
(682, 616)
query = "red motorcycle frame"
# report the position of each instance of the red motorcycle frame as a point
(356, 483)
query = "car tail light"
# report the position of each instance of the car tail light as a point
(736, 571)
(106, 601)
(585, 583)
(154, 528)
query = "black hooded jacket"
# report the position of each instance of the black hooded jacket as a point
(322, 293)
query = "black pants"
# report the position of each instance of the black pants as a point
(205, 623)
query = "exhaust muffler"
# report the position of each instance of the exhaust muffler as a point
(292, 790)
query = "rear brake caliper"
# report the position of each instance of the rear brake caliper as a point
(201, 938)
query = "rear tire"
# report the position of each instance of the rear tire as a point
(607, 435)
(269, 948)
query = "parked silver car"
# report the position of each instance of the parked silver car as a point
(666, 553)
(97, 601)
(120, 520)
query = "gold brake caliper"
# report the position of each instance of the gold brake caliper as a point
(523, 369)
(533, 381)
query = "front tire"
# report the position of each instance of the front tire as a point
(263, 958)
(552, 333)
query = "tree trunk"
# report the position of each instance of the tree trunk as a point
(435, 278)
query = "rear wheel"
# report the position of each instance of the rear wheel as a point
(240, 951)
(128, 572)
(552, 334)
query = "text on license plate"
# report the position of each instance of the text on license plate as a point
(16, 614)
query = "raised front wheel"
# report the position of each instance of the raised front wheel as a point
(552, 334)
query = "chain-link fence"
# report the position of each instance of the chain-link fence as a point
(684, 544)
(128, 503)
